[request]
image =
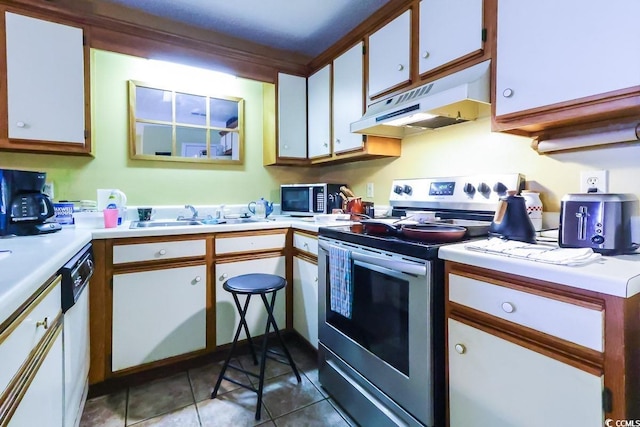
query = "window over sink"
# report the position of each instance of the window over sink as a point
(174, 125)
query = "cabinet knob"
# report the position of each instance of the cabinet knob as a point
(507, 93)
(162, 252)
(425, 55)
(400, 67)
(222, 277)
(508, 307)
(337, 140)
(44, 323)
(306, 245)
(286, 147)
(21, 124)
(197, 279)
(460, 348)
(316, 279)
(326, 144)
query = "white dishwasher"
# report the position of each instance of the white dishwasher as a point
(75, 306)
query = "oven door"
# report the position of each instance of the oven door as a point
(388, 339)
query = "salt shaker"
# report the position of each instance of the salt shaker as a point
(534, 208)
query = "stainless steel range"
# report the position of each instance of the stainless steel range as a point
(381, 304)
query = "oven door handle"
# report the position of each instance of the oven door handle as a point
(392, 264)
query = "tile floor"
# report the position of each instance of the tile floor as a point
(183, 400)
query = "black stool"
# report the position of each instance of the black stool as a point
(255, 284)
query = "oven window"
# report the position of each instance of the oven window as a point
(379, 316)
(295, 199)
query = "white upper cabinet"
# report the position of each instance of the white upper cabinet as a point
(45, 80)
(550, 52)
(292, 116)
(390, 55)
(348, 98)
(319, 116)
(449, 30)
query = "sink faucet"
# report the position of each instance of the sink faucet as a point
(194, 212)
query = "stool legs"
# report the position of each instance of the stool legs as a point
(242, 325)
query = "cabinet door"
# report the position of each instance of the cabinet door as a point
(227, 317)
(448, 30)
(45, 80)
(42, 403)
(389, 55)
(493, 382)
(319, 113)
(292, 116)
(582, 50)
(305, 299)
(348, 98)
(158, 314)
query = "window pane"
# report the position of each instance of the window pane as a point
(191, 142)
(224, 113)
(153, 139)
(153, 104)
(191, 109)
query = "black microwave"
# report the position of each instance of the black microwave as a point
(309, 199)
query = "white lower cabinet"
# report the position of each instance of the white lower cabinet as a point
(494, 382)
(305, 299)
(42, 403)
(158, 314)
(227, 316)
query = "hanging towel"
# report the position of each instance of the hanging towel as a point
(340, 284)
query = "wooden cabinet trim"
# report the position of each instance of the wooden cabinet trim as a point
(36, 146)
(306, 256)
(27, 307)
(572, 354)
(157, 239)
(17, 388)
(532, 286)
(248, 256)
(136, 267)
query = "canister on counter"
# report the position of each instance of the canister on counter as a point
(63, 213)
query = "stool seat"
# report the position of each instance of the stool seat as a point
(254, 283)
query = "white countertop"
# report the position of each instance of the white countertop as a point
(612, 275)
(33, 260)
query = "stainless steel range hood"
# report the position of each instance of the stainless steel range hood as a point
(452, 99)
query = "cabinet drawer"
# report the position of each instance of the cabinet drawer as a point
(158, 250)
(17, 341)
(306, 243)
(580, 325)
(249, 243)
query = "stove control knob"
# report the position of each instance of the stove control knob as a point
(500, 188)
(407, 189)
(397, 189)
(484, 189)
(469, 189)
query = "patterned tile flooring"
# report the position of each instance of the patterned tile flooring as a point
(183, 400)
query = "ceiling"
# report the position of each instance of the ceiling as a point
(306, 27)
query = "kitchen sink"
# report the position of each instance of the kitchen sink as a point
(170, 223)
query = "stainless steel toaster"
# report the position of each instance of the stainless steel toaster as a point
(601, 221)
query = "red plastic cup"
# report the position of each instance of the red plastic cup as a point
(110, 218)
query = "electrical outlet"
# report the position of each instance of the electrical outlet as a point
(594, 181)
(369, 189)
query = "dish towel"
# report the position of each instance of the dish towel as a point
(535, 252)
(340, 284)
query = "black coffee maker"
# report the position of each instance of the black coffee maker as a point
(24, 208)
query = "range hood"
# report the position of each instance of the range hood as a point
(453, 99)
